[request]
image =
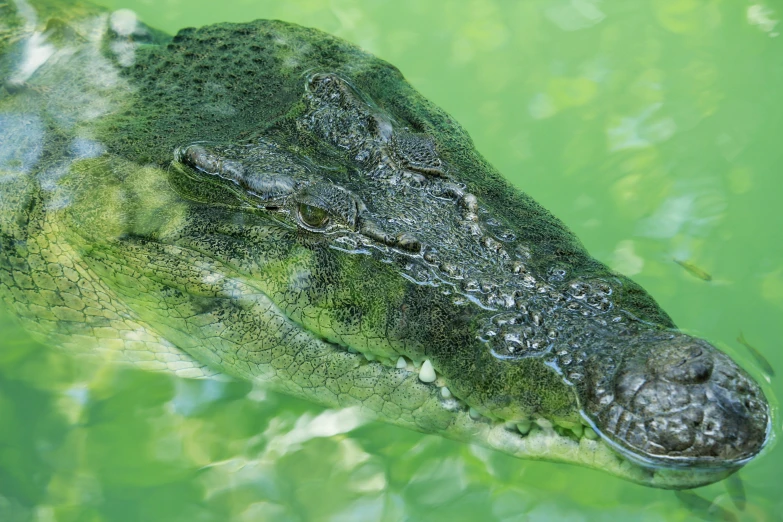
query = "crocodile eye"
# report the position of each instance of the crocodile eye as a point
(311, 216)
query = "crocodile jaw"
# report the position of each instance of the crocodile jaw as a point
(454, 419)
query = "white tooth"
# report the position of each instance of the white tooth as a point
(590, 434)
(445, 393)
(524, 427)
(564, 423)
(474, 414)
(544, 423)
(401, 363)
(427, 372)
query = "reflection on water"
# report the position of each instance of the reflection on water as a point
(572, 15)
(21, 143)
(652, 130)
(693, 208)
(641, 130)
(764, 18)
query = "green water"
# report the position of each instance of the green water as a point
(651, 128)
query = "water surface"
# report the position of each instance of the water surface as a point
(651, 128)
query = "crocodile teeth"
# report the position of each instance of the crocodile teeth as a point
(401, 363)
(474, 414)
(524, 427)
(590, 434)
(427, 372)
(445, 393)
(544, 423)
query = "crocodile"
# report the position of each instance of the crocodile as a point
(271, 203)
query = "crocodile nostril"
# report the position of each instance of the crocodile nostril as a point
(692, 353)
(701, 371)
(690, 371)
(686, 365)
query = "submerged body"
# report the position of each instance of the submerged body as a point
(272, 203)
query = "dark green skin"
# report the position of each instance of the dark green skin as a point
(265, 200)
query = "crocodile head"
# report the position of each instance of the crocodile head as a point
(383, 248)
(321, 226)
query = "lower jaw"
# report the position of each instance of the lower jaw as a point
(547, 444)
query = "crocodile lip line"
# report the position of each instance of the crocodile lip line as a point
(585, 442)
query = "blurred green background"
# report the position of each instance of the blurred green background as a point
(652, 128)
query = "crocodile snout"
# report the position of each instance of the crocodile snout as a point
(680, 400)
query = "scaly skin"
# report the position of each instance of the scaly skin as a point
(270, 202)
